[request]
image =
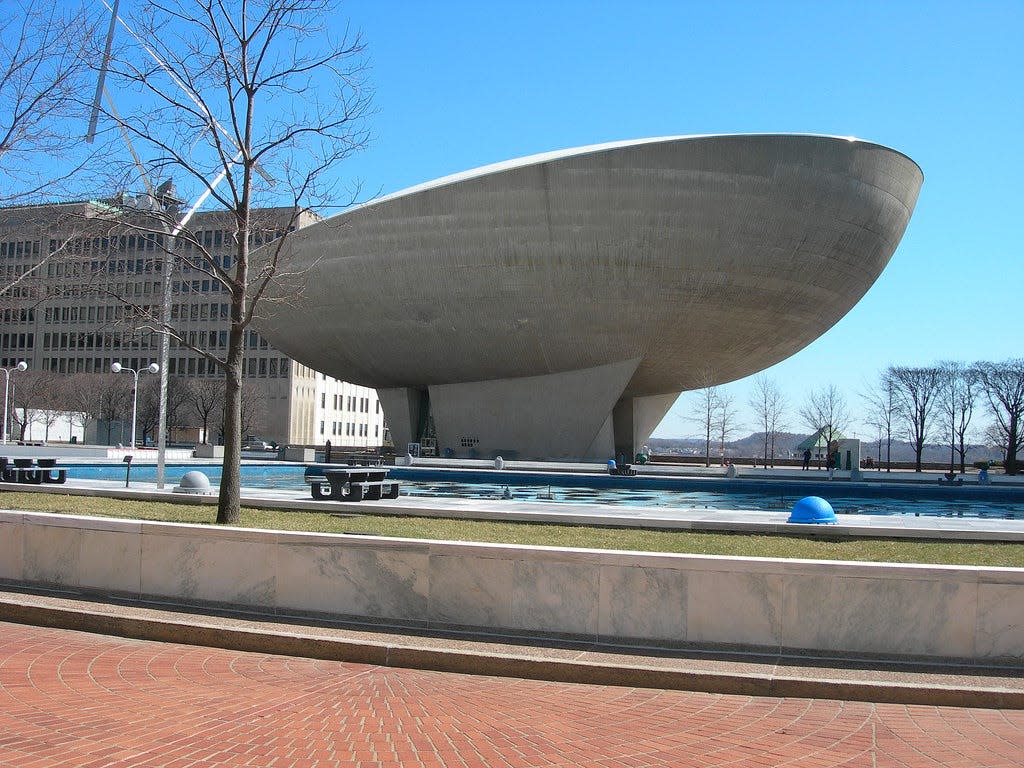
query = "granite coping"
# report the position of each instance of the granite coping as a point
(836, 677)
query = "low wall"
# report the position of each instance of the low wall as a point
(770, 604)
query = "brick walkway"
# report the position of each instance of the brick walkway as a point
(75, 699)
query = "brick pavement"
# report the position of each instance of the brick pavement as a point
(76, 699)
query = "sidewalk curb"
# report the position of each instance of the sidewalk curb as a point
(204, 631)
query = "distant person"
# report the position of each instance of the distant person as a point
(807, 458)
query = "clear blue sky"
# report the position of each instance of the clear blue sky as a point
(462, 84)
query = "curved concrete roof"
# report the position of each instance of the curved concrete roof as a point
(707, 258)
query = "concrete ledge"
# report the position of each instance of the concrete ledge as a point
(205, 451)
(628, 667)
(667, 600)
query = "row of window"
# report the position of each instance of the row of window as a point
(19, 249)
(217, 238)
(198, 286)
(92, 268)
(142, 241)
(351, 403)
(107, 314)
(351, 429)
(62, 341)
(17, 341)
(116, 312)
(262, 367)
(213, 339)
(12, 272)
(219, 311)
(18, 315)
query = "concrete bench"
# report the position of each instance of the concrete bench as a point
(31, 471)
(349, 483)
(625, 470)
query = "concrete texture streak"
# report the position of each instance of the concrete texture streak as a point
(704, 258)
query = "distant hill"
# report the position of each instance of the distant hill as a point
(752, 446)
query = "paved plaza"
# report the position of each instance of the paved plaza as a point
(101, 699)
(71, 698)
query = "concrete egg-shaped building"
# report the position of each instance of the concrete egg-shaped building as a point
(556, 306)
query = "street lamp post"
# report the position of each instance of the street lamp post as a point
(151, 368)
(7, 381)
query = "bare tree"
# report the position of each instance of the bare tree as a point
(113, 401)
(917, 390)
(148, 410)
(149, 403)
(704, 414)
(205, 397)
(48, 417)
(44, 68)
(883, 410)
(957, 397)
(826, 414)
(1003, 386)
(265, 96)
(724, 422)
(60, 405)
(769, 404)
(82, 392)
(29, 395)
(253, 407)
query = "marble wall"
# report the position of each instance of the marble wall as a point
(836, 607)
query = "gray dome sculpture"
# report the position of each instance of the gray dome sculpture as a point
(555, 306)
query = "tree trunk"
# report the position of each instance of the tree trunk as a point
(919, 442)
(229, 503)
(1010, 462)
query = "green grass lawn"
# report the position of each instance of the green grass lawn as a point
(735, 544)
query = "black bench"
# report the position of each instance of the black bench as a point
(31, 471)
(349, 483)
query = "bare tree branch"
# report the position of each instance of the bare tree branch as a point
(1003, 386)
(45, 51)
(264, 95)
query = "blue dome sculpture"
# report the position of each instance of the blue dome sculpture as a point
(813, 509)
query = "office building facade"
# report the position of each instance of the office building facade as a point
(80, 279)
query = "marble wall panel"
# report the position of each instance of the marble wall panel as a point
(377, 582)
(1000, 631)
(830, 607)
(743, 608)
(891, 615)
(12, 537)
(551, 595)
(51, 554)
(110, 560)
(466, 590)
(217, 569)
(643, 602)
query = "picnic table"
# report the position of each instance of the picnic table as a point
(344, 482)
(31, 471)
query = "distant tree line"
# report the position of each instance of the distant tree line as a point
(926, 404)
(38, 398)
(938, 402)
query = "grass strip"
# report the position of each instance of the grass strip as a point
(586, 537)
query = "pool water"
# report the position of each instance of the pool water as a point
(711, 500)
(888, 501)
